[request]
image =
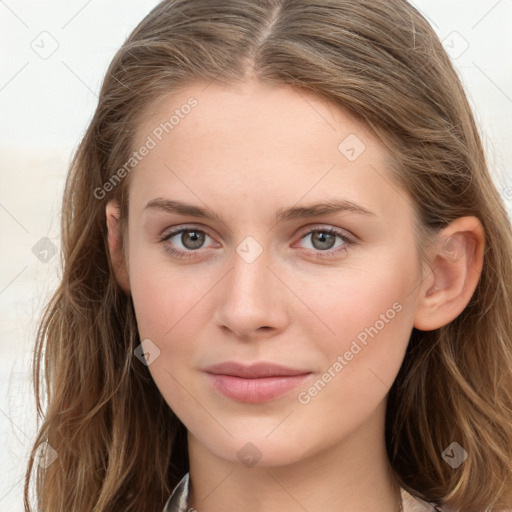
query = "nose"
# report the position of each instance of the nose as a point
(251, 300)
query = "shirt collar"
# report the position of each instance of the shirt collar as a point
(178, 500)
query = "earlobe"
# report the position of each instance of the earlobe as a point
(115, 245)
(455, 267)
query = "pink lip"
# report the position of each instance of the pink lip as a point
(256, 383)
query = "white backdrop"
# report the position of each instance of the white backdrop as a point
(54, 56)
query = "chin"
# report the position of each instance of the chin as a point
(253, 450)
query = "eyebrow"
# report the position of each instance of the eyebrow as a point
(294, 212)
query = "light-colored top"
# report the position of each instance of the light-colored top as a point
(178, 501)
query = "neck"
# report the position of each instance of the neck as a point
(352, 475)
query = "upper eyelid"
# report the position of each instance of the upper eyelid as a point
(326, 227)
(177, 230)
(199, 227)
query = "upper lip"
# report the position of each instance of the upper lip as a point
(253, 371)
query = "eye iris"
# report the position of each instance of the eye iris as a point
(325, 239)
(192, 239)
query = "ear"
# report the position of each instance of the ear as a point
(455, 267)
(114, 245)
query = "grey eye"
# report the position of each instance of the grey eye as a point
(322, 240)
(192, 239)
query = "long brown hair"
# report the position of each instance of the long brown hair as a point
(119, 445)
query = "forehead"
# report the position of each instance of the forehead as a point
(246, 106)
(267, 144)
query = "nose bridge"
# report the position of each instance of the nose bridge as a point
(251, 295)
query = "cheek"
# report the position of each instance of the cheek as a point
(357, 297)
(169, 312)
(369, 313)
(164, 295)
(372, 317)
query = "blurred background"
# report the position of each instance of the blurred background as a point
(54, 56)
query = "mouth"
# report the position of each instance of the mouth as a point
(257, 383)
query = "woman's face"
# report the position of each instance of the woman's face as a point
(292, 246)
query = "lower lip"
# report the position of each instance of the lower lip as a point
(255, 391)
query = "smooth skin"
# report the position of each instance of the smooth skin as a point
(246, 152)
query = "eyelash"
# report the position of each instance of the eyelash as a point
(329, 253)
